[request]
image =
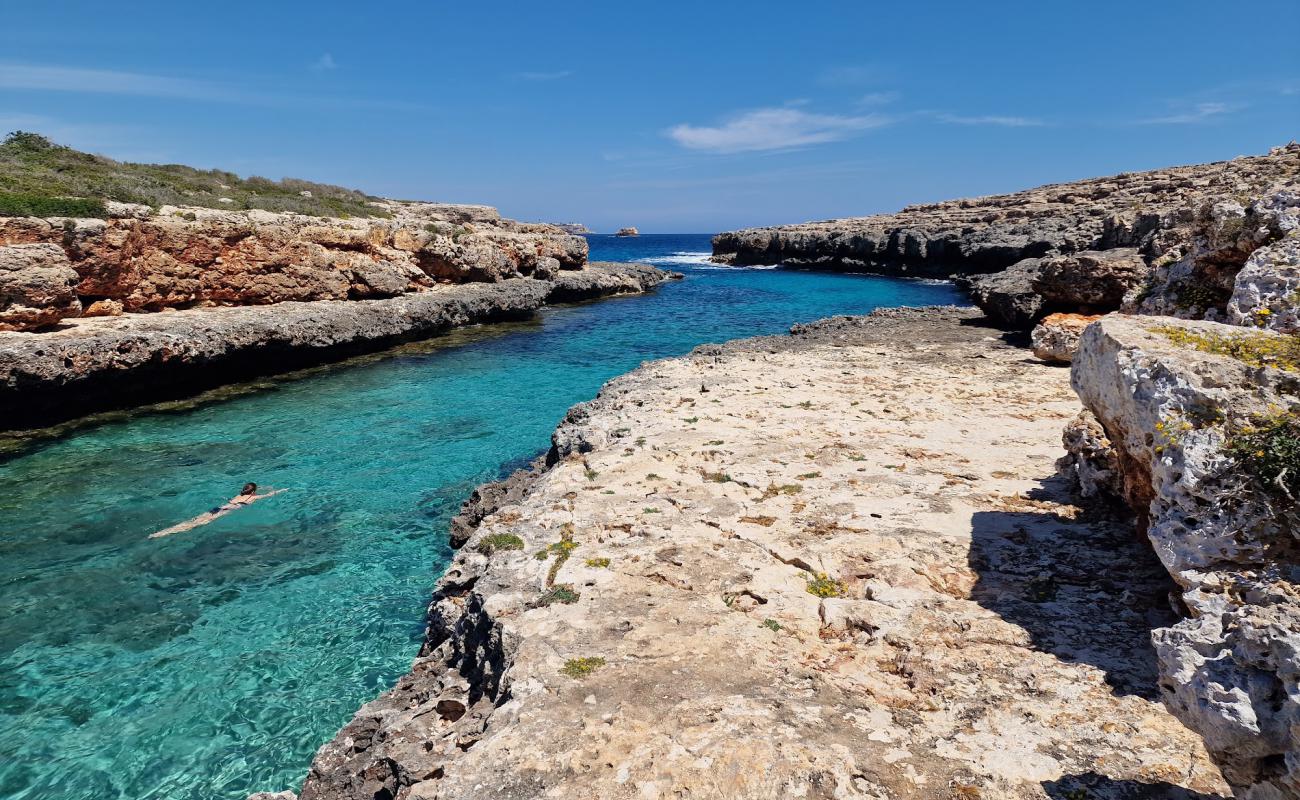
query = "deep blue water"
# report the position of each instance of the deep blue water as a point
(214, 662)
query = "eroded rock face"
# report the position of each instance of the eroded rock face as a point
(182, 257)
(1089, 460)
(1057, 337)
(1221, 521)
(1198, 258)
(37, 287)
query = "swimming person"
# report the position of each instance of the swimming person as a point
(247, 496)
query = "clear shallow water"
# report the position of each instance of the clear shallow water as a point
(213, 663)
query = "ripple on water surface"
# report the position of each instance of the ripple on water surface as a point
(214, 662)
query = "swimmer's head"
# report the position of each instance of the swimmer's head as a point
(249, 488)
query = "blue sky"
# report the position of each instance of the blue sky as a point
(669, 116)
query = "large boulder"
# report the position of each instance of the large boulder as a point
(1008, 297)
(1092, 279)
(1057, 337)
(37, 287)
(1204, 419)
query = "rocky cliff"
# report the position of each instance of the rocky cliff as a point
(1075, 247)
(143, 260)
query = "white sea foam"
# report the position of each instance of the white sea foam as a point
(694, 258)
(682, 257)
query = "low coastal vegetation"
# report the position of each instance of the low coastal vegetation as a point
(499, 541)
(579, 668)
(43, 179)
(823, 586)
(1255, 349)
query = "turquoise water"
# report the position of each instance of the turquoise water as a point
(213, 663)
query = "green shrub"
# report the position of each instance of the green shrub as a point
(499, 541)
(1269, 451)
(35, 205)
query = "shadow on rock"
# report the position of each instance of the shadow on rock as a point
(1080, 582)
(1092, 786)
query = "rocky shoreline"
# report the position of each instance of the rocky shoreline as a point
(95, 364)
(834, 564)
(848, 563)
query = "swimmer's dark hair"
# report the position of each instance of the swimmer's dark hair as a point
(249, 488)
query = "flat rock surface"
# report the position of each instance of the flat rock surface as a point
(658, 632)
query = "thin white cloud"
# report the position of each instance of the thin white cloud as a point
(772, 129)
(101, 81)
(324, 63)
(878, 98)
(39, 78)
(992, 119)
(853, 75)
(1198, 113)
(544, 76)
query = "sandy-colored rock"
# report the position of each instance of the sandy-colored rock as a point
(37, 287)
(103, 308)
(1201, 442)
(832, 565)
(1057, 337)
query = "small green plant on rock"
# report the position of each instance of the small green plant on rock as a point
(561, 550)
(598, 563)
(499, 541)
(1198, 295)
(1268, 449)
(822, 585)
(579, 668)
(772, 625)
(560, 593)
